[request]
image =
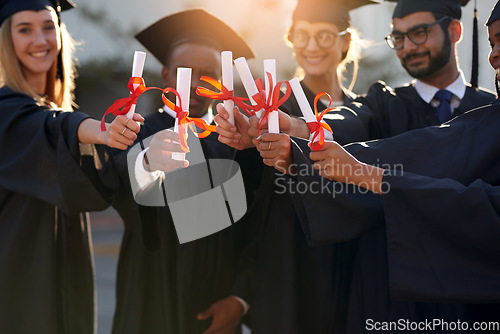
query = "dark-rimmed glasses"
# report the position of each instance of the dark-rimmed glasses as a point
(418, 35)
(324, 38)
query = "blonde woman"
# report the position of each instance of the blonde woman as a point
(47, 179)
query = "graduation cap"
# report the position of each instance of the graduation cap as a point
(192, 25)
(333, 11)
(445, 7)
(10, 7)
(450, 8)
(495, 14)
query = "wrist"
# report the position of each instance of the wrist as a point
(370, 178)
(244, 304)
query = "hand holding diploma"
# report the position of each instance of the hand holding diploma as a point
(335, 163)
(235, 136)
(313, 120)
(275, 150)
(136, 85)
(162, 147)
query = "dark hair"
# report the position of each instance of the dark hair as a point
(445, 23)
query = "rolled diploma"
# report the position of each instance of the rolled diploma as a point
(247, 80)
(137, 69)
(184, 90)
(227, 81)
(273, 120)
(304, 106)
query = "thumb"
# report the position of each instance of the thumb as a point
(237, 115)
(205, 314)
(138, 118)
(222, 111)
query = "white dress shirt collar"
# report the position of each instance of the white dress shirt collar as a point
(427, 92)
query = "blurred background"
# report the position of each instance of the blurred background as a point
(105, 31)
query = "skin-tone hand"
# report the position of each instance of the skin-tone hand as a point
(159, 155)
(335, 163)
(226, 315)
(235, 136)
(290, 125)
(275, 150)
(120, 134)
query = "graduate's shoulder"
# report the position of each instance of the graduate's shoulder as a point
(15, 106)
(381, 90)
(10, 98)
(480, 93)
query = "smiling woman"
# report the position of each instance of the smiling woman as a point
(47, 179)
(30, 66)
(36, 39)
(324, 43)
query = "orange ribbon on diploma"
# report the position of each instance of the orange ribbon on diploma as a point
(259, 98)
(184, 119)
(122, 106)
(318, 127)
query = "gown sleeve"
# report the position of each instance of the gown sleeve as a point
(440, 209)
(444, 244)
(330, 212)
(42, 158)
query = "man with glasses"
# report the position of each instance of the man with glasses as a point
(425, 34)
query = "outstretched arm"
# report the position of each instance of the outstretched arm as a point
(121, 132)
(335, 163)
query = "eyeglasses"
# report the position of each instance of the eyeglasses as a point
(417, 35)
(324, 38)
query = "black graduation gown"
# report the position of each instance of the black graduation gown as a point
(430, 242)
(281, 303)
(292, 282)
(386, 111)
(162, 285)
(46, 261)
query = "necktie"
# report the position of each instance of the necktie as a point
(444, 108)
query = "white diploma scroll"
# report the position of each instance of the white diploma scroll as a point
(272, 120)
(137, 69)
(227, 81)
(304, 106)
(247, 80)
(184, 90)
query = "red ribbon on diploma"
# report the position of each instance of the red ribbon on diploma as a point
(223, 95)
(274, 100)
(184, 119)
(122, 106)
(318, 127)
(259, 98)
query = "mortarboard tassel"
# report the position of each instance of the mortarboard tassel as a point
(60, 74)
(475, 50)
